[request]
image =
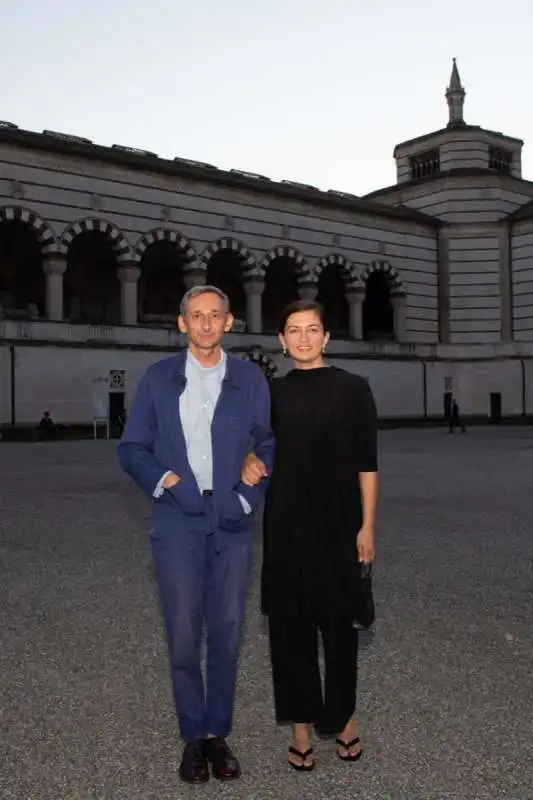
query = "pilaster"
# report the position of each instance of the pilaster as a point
(506, 284)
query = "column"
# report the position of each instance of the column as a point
(355, 297)
(128, 275)
(398, 307)
(254, 286)
(54, 267)
(194, 275)
(308, 289)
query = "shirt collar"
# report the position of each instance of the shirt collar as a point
(192, 364)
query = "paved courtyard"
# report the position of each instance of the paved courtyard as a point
(446, 681)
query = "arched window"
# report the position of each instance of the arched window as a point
(92, 288)
(331, 294)
(378, 313)
(22, 280)
(161, 285)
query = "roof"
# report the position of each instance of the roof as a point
(524, 212)
(134, 159)
(457, 128)
(460, 172)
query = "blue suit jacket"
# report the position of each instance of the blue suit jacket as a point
(153, 442)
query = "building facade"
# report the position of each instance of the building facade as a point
(428, 283)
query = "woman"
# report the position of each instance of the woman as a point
(318, 525)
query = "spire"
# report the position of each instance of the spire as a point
(455, 97)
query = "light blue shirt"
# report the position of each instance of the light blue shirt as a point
(197, 405)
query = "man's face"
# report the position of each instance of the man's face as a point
(205, 321)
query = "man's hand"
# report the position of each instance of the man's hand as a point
(366, 545)
(171, 480)
(253, 470)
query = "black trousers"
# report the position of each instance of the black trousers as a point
(298, 694)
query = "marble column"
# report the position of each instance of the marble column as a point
(194, 275)
(308, 289)
(398, 306)
(54, 267)
(128, 275)
(355, 297)
(254, 286)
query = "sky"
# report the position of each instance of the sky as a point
(314, 91)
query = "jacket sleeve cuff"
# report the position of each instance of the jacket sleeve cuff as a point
(159, 489)
(245, 504)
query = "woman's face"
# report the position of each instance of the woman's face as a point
(304, 337)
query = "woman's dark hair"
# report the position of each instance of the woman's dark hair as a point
(302, 305)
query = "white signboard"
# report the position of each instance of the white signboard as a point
(100, 390)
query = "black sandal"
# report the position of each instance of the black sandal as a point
(347, 746)
(303, 767)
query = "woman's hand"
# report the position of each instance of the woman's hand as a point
(366, 545)
(253, 470)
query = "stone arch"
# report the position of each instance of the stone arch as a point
(386, 269)
(346, 268)
(229, 244)
(285, 251)
(117, 239)
(166, 235)
(227, 263)
(25, 239)
(43, 232)
(382, 285)
(164, 256)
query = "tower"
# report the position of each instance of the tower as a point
(458, 146)
(455, 97)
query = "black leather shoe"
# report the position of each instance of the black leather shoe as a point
(193, 767)
(224, 765)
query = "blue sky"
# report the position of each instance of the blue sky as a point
(312, 91)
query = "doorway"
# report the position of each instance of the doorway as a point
(116, 408)
(495, 407)
(447, 399)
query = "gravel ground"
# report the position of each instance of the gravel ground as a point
(446, 678)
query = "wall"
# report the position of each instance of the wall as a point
(483, 198)
(5, 384)
(60, 380)
(522, 276)
(472, 383)
(474, 284)
(62, 191)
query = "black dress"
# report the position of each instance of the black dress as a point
(326, 433)
(325, 425)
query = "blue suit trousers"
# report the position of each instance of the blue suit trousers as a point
(202, 580)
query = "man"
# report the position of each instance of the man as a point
(455, 420)
(47, 426)
(195, 418)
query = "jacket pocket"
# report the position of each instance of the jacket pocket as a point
(231, 514)
(187, 496)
